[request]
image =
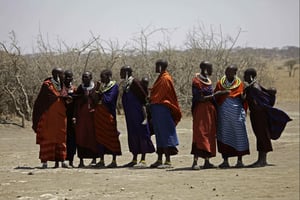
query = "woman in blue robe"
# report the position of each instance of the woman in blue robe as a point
(134, 100)
(267, 122)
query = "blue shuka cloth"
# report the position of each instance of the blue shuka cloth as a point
(232, 124)
(164, 126)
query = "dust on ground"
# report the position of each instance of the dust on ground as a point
(21, 177)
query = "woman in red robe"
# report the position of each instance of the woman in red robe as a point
(49, 120)
(84, 119)
(107, 135)
(204, 117)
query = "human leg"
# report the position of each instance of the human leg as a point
(101, 163)
(81, 163)
(133, 162)
(44, 165)
(225, 163)
(113, 163)
(167, 163)
(261, 161)
(142, 164)
(56, 165)
(207, 164)
(239, 163)
(71, 163)
(195, 163)
(158, 161)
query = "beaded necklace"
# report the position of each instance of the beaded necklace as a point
(204, 79)
(230, 85)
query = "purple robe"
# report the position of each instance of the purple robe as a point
(139, 138)
(261, 103)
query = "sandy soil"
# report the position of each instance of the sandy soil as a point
(21, 177)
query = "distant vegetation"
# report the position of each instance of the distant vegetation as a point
(21, 75)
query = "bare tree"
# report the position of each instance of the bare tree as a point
(291, 66)
(22, 75)
(13, 84)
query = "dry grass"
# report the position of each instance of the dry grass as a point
(287, 87)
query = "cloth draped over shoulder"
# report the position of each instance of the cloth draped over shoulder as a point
(107, 135)
(50, 121)
(236, 89)
(200, 88)
(46, 97)
(133, 100)
(163, 92)
(232, 136)
(137, 89)
(84, 114)
(277, 119)
(204, 120)
(109, 94)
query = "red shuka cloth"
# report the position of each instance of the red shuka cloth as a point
(49, 123)
(204, 126)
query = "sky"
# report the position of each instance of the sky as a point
(264, 23)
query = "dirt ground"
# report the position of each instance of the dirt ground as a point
(21, 177)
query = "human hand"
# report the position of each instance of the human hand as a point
(221, 92)
(68, 99)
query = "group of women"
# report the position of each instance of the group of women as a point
(83, 118)
(86, 118)
(219, 117)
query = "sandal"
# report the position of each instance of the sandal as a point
(195, 166)
(167, 165)
(113, 164)
(239, 164)
(224, 165)
(65, 165)
(208, 166)
(100, 165)
(156, 164)
(140, 165)
(44, 165)
(81, 165)
(130, 164)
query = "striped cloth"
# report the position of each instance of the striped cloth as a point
(107, 135)
(52, 151)
(232, 126)
(49, 123)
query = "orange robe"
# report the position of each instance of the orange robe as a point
(204, 121)
(236, 90)
(163, 92)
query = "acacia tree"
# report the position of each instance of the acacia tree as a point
(291, 66)
(97, 54)
(12, 75)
